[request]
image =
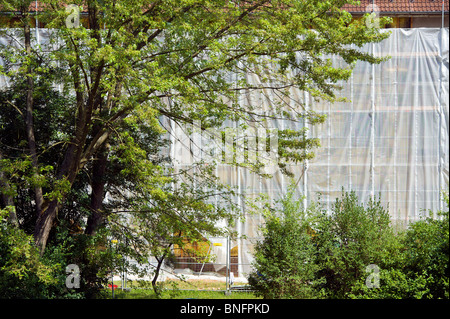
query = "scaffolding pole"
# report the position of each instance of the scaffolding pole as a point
(440, 113)
(372, 127)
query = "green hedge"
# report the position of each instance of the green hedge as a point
(352, 251)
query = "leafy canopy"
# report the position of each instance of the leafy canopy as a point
(84, 114)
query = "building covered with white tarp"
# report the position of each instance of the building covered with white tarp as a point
(390, 139)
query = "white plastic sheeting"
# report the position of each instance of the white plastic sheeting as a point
(391, 139)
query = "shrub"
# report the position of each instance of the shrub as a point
(349, 239)
(22, 273)
(26, 274)
(285, 265)
(91, 253)
(427, 252)
(394, 283)
(416, 267)
(317, 254)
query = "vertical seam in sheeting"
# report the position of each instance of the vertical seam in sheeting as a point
(350, 129)
(372, 127)
(372, 121)
(396, 205)
(241, 209)
(305, 164)
(416, 126)
(328, 154)
(440, 135)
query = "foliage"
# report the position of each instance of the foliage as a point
(394, 283)
(350, 238)
(422, 268)
(409, 264)
(26, 274)
(22, 273)
(427, 252)
(285, 260)
(94, 255)
(82, 123)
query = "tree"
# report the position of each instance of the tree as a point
(120, 69)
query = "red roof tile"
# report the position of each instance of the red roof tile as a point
(399, 6)
(384, 6)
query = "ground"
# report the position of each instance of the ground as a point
(183, 289)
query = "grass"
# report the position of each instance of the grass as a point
(177, 289)
(182, 294)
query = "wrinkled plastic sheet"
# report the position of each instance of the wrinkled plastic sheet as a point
(390, 140)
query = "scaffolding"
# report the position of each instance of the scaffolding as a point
(391, 139)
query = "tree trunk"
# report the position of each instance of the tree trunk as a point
(6, 199)
(39, 198)
(158, 269)
(68, 170)
(44, 225)
(155, 277)
(98, 191)
(72, 164)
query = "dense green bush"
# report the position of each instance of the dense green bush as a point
(285, 259)
(22, 273)
(419, 269)
(394, 283)
(351, 238)
(91, 254)
(427, 253)
(26, 274)
(350, 252)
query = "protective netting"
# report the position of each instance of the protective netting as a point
(391, 138)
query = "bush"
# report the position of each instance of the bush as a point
(394, 283)
(22, 273)
(419, 269)
(315, 254)
(285, 265)
(91, 253)
(427, 252)
(351, 238)
(26, 274)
